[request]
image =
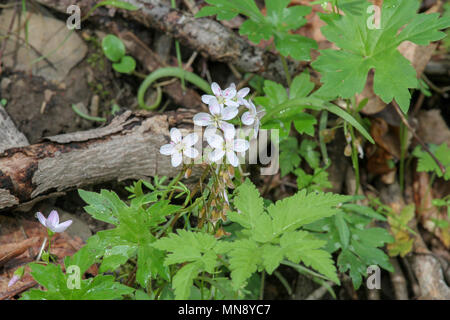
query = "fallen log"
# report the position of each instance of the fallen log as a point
(128, 148)
(209, 37)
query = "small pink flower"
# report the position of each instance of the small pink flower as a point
(52, 222)
(13, 280)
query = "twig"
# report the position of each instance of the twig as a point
(320, 292)
(424, 146)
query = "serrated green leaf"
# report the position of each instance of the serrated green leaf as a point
(348, 261)
(183, 280)
(374, 237)
(363, 48)
(321, 261)
(245, 257)
(189, 247)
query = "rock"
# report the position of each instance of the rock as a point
(51, 38)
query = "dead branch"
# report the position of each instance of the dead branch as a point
(210, 38)
(128, 148)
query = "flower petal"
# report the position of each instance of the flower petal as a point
(53, 219)
(202, 119)
(228, 130)
(191, 153)
(214, 106)
(62, 226)
(177, 158)
(41, 218)
(167, 149)
(232, 158)
(13, 280)
(248, 118)
(190, 139)
(243, 92)
(216, 89)
(206, 98)
(240, 145)
(216, 155)
(215, 141)
(175, 135)
(232, 103)
(230, 92)
(229, 113)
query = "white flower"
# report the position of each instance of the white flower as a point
(226, 147)
(253, 116)
(217, 119)
(221, 97)
(52, 222)
(180, 146)
(240, 95)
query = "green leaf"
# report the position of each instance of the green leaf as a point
(349, 261)
(255, 32)
(427, 163)
(344, 71)
(104, 206)
(374, 237)
(301, 86)
(117, 4)
(189, 247)
(150, 265)
(295, 45)
(302, 208)
(126, 65)
(304, 123)
(113, 48)
(289, 155)
(184, 279)
(307, 152)
(245, 257)
(321, 261)
(343, 230)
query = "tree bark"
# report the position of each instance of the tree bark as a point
(10, 137)
(210, 38)
(128, 148)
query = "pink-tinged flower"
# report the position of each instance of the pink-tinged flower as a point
(253, 116)
(180, 146)
(226, 147)
(240, 95)
(13, 280)
(221, 97)
(217, 119)
(52, 222)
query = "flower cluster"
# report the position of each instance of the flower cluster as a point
(219, 133)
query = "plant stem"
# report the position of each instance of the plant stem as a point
(424, 146)
(286, 70)
(261, 289)
(170, 72)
